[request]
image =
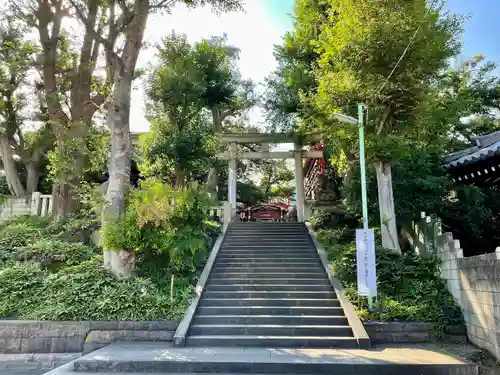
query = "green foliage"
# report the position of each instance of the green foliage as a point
(53, 253)
(409, 287)
(176, 152)
(421, 184)
(84, 292)
(162, 220)
(474, 218)
(195, 88)
(18, 235)
(45, 277)
(249, 194)
(21, 286)
(96, 295)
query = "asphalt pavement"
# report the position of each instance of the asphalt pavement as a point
(14, 371)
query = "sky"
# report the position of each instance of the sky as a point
(254, 31)
(262, 26)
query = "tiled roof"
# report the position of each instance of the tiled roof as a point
(486, 147)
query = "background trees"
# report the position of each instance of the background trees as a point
(339, 54)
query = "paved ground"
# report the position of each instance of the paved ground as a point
(22, 372)
(32, 364)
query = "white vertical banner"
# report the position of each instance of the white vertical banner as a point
(365, 259)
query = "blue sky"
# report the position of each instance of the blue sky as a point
(480, 36)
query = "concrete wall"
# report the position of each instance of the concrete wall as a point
(479, 280)
(77, 337)
(36, 204)
(14, 207)
(474, 282)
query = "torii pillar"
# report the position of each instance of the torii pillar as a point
(232, 177)
(299, 183)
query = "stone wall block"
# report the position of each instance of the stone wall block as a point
(74, 337)
(36, 345)
(10, 345)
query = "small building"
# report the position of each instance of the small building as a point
(265, 212)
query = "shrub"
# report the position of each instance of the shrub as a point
(84, 292)
(35, 222)
(21, 288)
(162, 220)
(50, 253)
(18, 234)
(409, 286)
(88, 292)
(333, 219)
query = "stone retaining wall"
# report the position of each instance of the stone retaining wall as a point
(399, 332)
(77, 337)
(408, 332)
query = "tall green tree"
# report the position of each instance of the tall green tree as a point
(126, 22)
(21, 148)
(353, 53)
(463, 102)
(195, 88)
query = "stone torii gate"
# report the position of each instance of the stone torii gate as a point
(265, 139)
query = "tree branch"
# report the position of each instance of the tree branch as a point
(162, 4)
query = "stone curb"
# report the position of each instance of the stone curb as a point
(29, 361)
(77, 337)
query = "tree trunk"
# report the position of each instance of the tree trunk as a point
(212, 180)
(119, 261)
(9, 165)
(386, 207)
(180, 179)
(65, 198)
(32, 177)
(212, 183)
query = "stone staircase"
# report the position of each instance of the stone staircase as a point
(268, 288)
(268, 307)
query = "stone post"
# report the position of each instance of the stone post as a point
(232, 176)
(35, 203)
(299, 183)
(228, 213)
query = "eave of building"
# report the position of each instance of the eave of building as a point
(486, 146)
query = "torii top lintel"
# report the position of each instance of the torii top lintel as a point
(247, 138)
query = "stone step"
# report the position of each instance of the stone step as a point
(270, 319)
(276, 269)
(264, 245)
(132, 358)
(287, 238)
(289, 269)
(267, 260)
(271, 310)
(278, 240)
(266, 256)
(268, 294)
(271, 275)
(272, 238)
(264, 288)
(267, 263)
(267, 281)
(266, 233)
(287, 302)
(270, 253)
(272, 341)
(269, 330)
